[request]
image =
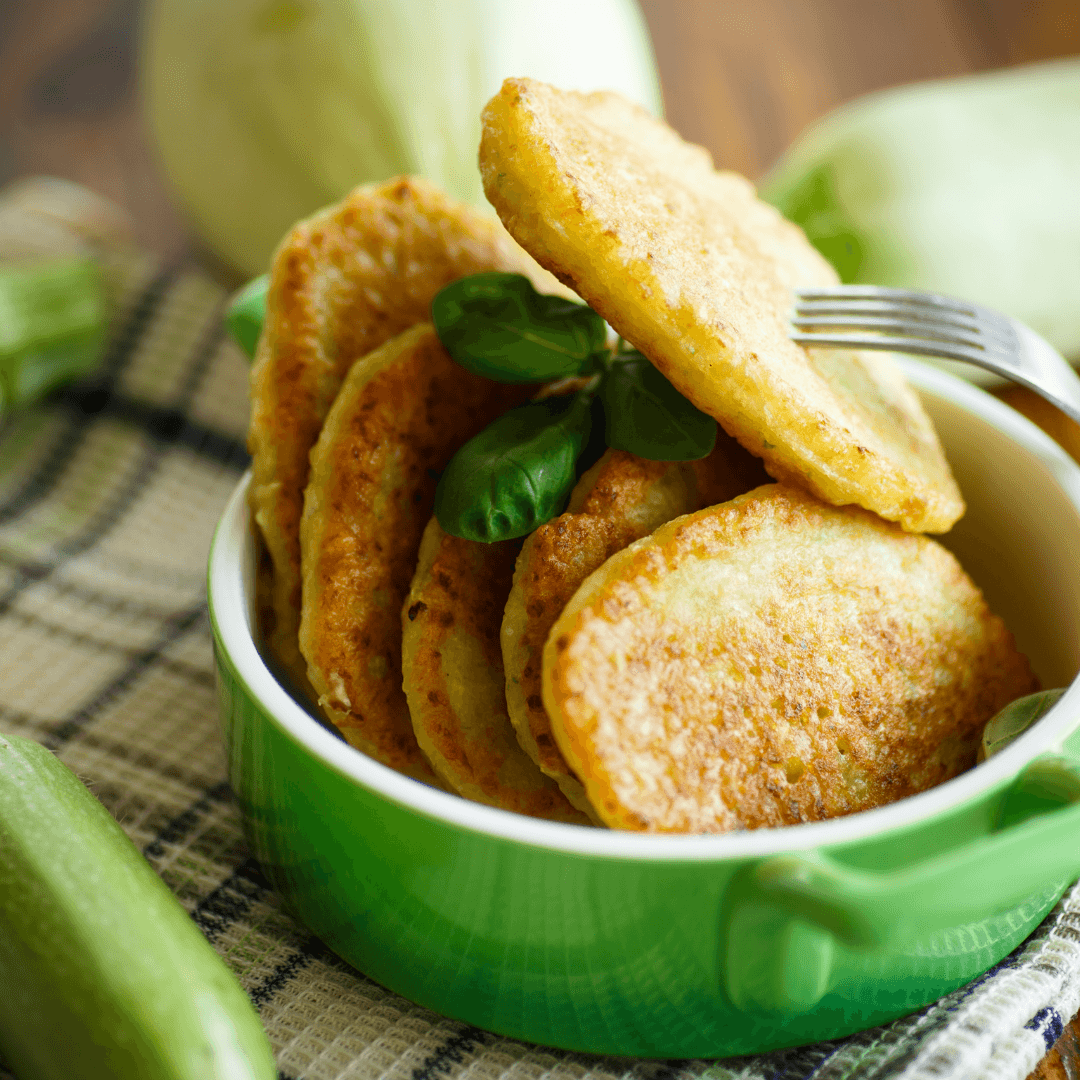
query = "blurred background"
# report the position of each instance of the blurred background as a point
(742, 77)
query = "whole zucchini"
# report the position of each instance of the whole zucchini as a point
(962, 186)
(104, 974)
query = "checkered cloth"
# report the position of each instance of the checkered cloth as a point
(109, 493)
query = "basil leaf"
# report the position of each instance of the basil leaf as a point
(499, 326)
(246, 314)
(1011, 722)
(517, 473)
(646, 415)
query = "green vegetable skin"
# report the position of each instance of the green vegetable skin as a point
(295, 103)
(964, 186)
(104, 975)
(53, 321)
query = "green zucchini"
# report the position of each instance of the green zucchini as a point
(964, 186)
(53, 322)
(104, 974)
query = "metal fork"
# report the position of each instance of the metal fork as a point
(903, 320)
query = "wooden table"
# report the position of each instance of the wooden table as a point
(742, 77)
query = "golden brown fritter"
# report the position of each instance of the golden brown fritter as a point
(686, 263)
(620, 499)
(453, 677)
(342, 283)
(401, 413)
(773, 660)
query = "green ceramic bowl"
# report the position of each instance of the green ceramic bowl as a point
(689, 946)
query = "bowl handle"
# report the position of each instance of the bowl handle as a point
(783, 915)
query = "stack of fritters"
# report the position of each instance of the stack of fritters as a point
(400, 414)
(454, 681)
(343, 283)
(687, 647)
(621, 499)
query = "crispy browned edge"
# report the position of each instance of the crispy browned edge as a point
(401, 413)
(872, 749)
(342, 283)
(452, 616)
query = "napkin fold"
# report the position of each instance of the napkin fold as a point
(109, 494)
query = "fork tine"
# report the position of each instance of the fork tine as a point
(892, 324)
(1001, 362)
(852, 297)
(907, 297)
(927, 324)
(997, 329)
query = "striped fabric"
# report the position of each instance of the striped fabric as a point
(109, 493)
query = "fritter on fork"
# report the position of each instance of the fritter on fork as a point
(688, 265)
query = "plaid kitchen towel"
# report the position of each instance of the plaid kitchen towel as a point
(109, 493)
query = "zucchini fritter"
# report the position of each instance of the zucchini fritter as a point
(620, 499)
(688, 265)
(342, 283)
(770, 661)
(402, 412)
(453, 677)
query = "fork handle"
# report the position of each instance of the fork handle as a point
(1064, 388)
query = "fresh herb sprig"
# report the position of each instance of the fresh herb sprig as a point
(499, 326)
(519, 471)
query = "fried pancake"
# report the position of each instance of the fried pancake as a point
(401, 413)
(773, 660)
(687, 263)
(342, 283)
(453, 677)
(620, 499)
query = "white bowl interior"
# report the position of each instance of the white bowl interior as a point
(1019, 540)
